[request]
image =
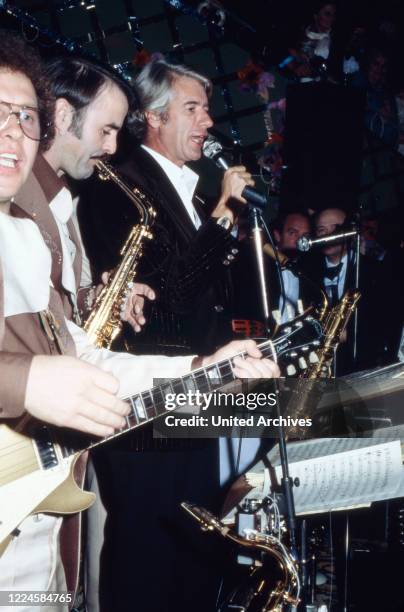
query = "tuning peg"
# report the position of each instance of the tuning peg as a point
(302, 363)
(291, 370)
(313, 357)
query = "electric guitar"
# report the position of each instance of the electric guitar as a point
(36, 472)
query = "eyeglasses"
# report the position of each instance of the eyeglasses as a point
(27, 117)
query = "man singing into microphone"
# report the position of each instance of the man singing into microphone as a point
(186, 264)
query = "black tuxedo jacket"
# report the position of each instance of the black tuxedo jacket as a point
(371, 316)
(186, 267)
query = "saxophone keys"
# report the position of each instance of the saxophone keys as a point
(313, 357)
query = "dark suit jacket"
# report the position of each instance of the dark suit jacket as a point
(184, 265)
(371, 322)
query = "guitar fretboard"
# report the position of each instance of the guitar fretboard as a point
(148, 405)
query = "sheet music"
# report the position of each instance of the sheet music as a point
(348, 478)
(320, 447)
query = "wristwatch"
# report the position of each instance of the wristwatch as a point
(224, 222)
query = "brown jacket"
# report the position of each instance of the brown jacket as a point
(22, 336)
(14, 370)
(32, 202)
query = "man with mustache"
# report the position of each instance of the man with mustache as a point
(91, 106)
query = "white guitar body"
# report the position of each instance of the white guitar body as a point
(26, 488)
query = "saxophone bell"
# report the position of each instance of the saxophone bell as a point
(273, 579)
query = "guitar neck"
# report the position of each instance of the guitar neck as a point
(149, 405)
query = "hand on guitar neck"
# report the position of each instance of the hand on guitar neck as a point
(252, 365)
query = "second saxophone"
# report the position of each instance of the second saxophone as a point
(104, 323)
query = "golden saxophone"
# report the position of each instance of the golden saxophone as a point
(273, 582)
(334, 321)
(104, 323)
(307, 392)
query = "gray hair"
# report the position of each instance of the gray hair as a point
(154, 90)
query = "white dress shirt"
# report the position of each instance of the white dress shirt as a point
(340, 279)
(184, 181)
(62, 209)
(32, 560)
(26, 263)
(291, 289)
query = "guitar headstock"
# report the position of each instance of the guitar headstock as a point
(296, 343)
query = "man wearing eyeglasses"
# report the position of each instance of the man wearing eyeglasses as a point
(27, 118)
(60, 390)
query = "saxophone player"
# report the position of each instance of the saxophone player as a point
(73, 152)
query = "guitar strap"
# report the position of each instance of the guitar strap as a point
(52, 329)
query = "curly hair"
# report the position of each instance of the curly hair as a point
(18, 56)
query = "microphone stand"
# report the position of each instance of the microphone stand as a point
(357, 270)
(256, 225)
(255, 219)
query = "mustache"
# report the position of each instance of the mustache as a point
(101, 156)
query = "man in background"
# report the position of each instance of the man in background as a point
(334, 269)
(285, 297)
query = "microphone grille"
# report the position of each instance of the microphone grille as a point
(303, 244)
(211, 147)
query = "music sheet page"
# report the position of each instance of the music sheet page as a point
(346, 477)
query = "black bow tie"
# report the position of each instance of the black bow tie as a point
(333, 272)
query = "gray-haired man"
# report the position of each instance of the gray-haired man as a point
(186, 264)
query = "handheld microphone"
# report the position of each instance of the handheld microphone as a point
(212, 149)
(305, 244)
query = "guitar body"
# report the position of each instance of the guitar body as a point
(26, 488)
